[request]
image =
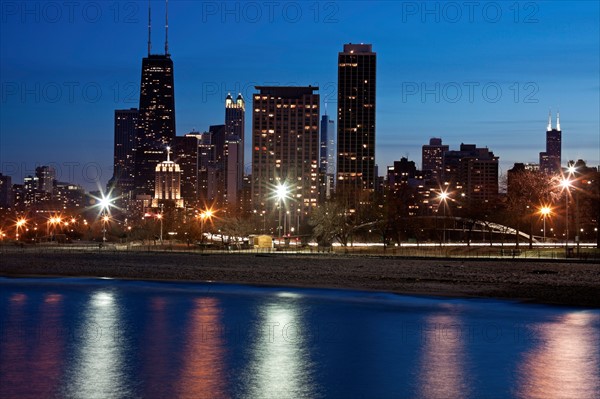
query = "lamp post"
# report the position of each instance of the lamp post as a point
(566, 183)
(20, 223)
(104, 221)
(443, 197)
(571, 169)
(281, 192)
(204, 215)
(160, 218)
(545, 211)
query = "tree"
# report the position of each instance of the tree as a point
(526, 191)
(331, 222)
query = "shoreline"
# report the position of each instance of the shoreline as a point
(552, 283)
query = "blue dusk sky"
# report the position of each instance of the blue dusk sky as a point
(484, 73)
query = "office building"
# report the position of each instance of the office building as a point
(125, 128)
(156, 120)
(550, 160)
(356, 122)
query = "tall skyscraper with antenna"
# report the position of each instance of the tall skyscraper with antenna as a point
(156, 122)
(550, 160)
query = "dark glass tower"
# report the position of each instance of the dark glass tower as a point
(356, 122)
(156, 123)
(550, 160)
(126, 124)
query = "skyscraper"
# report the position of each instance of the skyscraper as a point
(6, 192)
(235, 112)
(356, 121)
(156, 122)
(185, 154)
(550, 160)
(432, 158)
(125, 127)
(46, 176)
(327, 154)
(285, 147)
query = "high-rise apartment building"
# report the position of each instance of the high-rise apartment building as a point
(46, 175)
(356, 122)
(432, 159)
(472, 172)
(285, 147)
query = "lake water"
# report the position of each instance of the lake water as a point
(94, 338)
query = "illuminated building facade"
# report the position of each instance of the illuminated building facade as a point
(356, 122)
(285, 147)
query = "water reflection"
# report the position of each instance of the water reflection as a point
(13, 348)
(280, 365)
(96, 371)
(203, 373)
(442, 365)
(565, 362)
(156, 349)
(31, 351)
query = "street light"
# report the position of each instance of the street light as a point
(207, 214)
(565, 184)
(160, 217)
(105, 219)
(545, 211)
(281, 192)
(20, 223)
(443, 197)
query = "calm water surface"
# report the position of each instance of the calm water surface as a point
(89, 338)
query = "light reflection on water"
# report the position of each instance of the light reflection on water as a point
(97, 367)
(442, 366)
(280, 365)
(81, 338)
(565, 363)
(203, 372)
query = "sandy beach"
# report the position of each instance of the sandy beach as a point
(549, 282)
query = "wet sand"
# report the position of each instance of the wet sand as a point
(561, 283)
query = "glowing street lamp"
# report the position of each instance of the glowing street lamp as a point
(160, 217)
(105, 220)
(20, 223)
(545, 211)
(281, 192)
(206, 214)
(565, 183)
(443, 197)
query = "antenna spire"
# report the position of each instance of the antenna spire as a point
(166, 27)
(557, 120)
(549, 120)
(168, 154)
(149, 27)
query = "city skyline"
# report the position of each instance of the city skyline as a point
(411, 78)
